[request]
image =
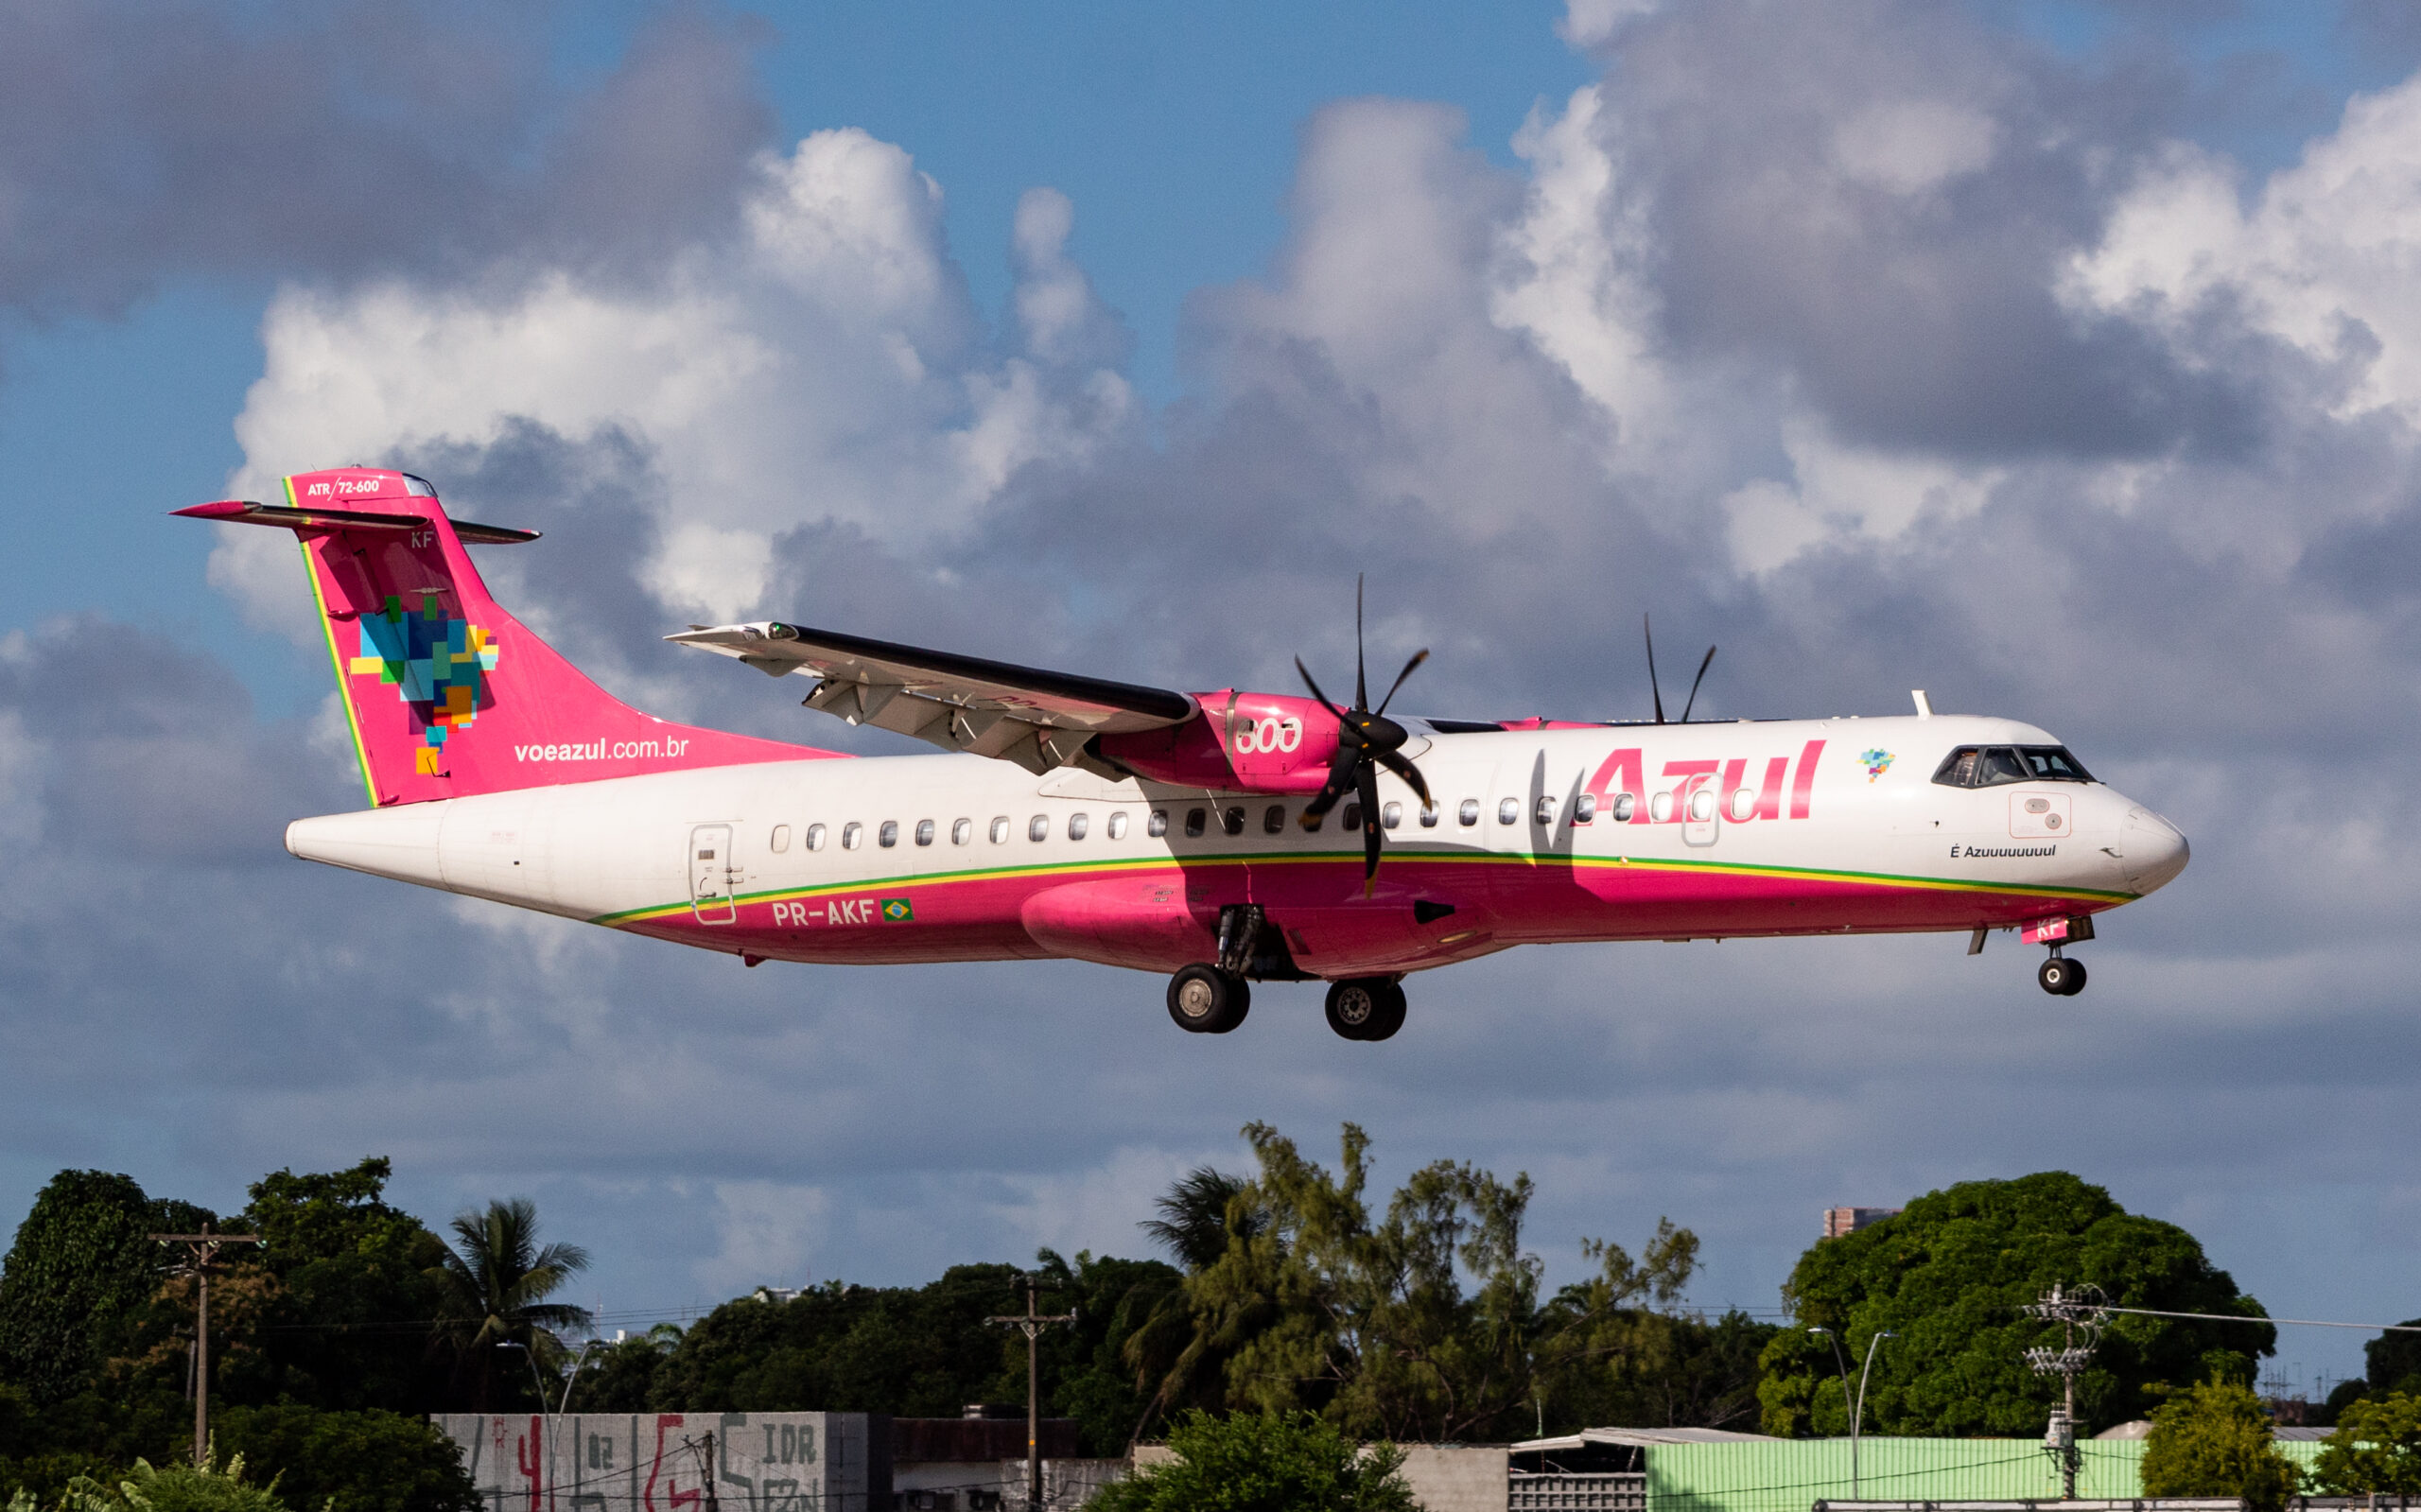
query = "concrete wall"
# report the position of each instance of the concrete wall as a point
(675, 1462)
(1454, 1478)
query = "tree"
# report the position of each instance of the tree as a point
(1199, 1216)
(1183, 1366)
(2377, 1447)
(362, 1461)
(1369, 1321)
(83, 1266)
(1949, 1278)
(2214, 1440)
(496, 1279)
(1254, 1463)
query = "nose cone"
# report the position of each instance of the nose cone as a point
(2152, 850)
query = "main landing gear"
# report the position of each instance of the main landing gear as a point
(1366, 1007)
(1205, 999)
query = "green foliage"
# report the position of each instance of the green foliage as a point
(2377, 1447)
(1246, 1462)
(2214, 1440)
(1949, 1278)
(367, 1461)
(494, 1283)
(620, 1377)
(2392, 1362)
(176, 1487)
(911, 1351)
(1425, 1323)
(82, 1269)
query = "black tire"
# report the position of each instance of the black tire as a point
(2060, 976)
(1355, 1004)
(2075, 979)
(1204, 999)
(1392, 1018)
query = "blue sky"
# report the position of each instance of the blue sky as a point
(1816, 407)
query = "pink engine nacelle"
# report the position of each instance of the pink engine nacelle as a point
(1243, 743)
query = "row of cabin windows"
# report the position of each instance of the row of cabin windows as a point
(1234, 820)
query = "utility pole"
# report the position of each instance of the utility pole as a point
(2085, 1310)
(200, 1249)
(1031, 1324)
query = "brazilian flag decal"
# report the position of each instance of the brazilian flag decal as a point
(899, 911)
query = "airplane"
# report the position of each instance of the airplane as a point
(1221, 838)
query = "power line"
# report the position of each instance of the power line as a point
(2240, 1317)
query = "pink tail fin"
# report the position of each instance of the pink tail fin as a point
(448, 695)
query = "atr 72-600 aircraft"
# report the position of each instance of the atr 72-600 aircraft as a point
(1221, 838)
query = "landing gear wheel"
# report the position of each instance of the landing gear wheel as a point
(2060, 976)
(1206, 1000)
(1365, 1008)
(1356, 1005)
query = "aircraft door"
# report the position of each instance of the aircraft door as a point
(1701, 815)
(712, 873)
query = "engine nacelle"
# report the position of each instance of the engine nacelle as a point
(1240, 743)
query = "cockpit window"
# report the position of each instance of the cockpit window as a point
(1990, 766)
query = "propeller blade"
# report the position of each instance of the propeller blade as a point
(1694, 685)
(1401, 676)
(1315, 690)
(1361, 693)
(1340, 781)
(1654, 693)
(1369, 786)
(1410, 774)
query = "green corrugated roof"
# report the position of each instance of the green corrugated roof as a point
(1786, 1475)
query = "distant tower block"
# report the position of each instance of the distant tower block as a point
(1840, 1221)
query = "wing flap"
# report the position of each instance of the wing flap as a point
(1037, 719)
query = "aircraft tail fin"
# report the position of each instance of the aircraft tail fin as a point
(446, 694)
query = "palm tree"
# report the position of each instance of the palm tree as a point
(1175, 1351)
(1195, 1220)
(497, 1278)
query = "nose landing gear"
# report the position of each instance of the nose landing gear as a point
(2059, 976)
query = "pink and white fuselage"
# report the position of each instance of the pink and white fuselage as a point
(1143, 827)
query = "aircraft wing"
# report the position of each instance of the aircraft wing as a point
(1038, 719)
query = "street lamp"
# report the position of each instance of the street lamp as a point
(563, 1403)
(1858, 1405)
(533, 1357)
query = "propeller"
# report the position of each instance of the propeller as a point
(1367, 739)
(1656, 693)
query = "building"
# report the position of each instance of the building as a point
(1840, 1221)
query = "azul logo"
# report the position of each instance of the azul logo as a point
(437, 665)
(1875, 762)
(1620, 786)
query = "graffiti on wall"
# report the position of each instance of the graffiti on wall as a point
(669, 1462)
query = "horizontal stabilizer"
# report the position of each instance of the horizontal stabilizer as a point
(244, 512)
(1037, 719)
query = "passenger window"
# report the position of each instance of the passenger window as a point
(1078, 824)
(1429, 816)
(1273, 819)
(816, 837)
(781, 839)
(1353, 819)
(1625, 805)
(1390, 815)
(1509, 810)
(1232, 820)
(1703, 804)
(1000, 829)
(1157, 824)
(1584, 809)
(1744, 803)
(888, 835)
(1194, 819)
(852, 836)
(1038, 828)
(1118, 823)
(1467, 814)
(1661, 808)
(961, 831)
(1544, 811)
(924, 831)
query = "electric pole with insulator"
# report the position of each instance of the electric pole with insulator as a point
(2083, 1311)
(1031, 1324)
(201, 1250)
